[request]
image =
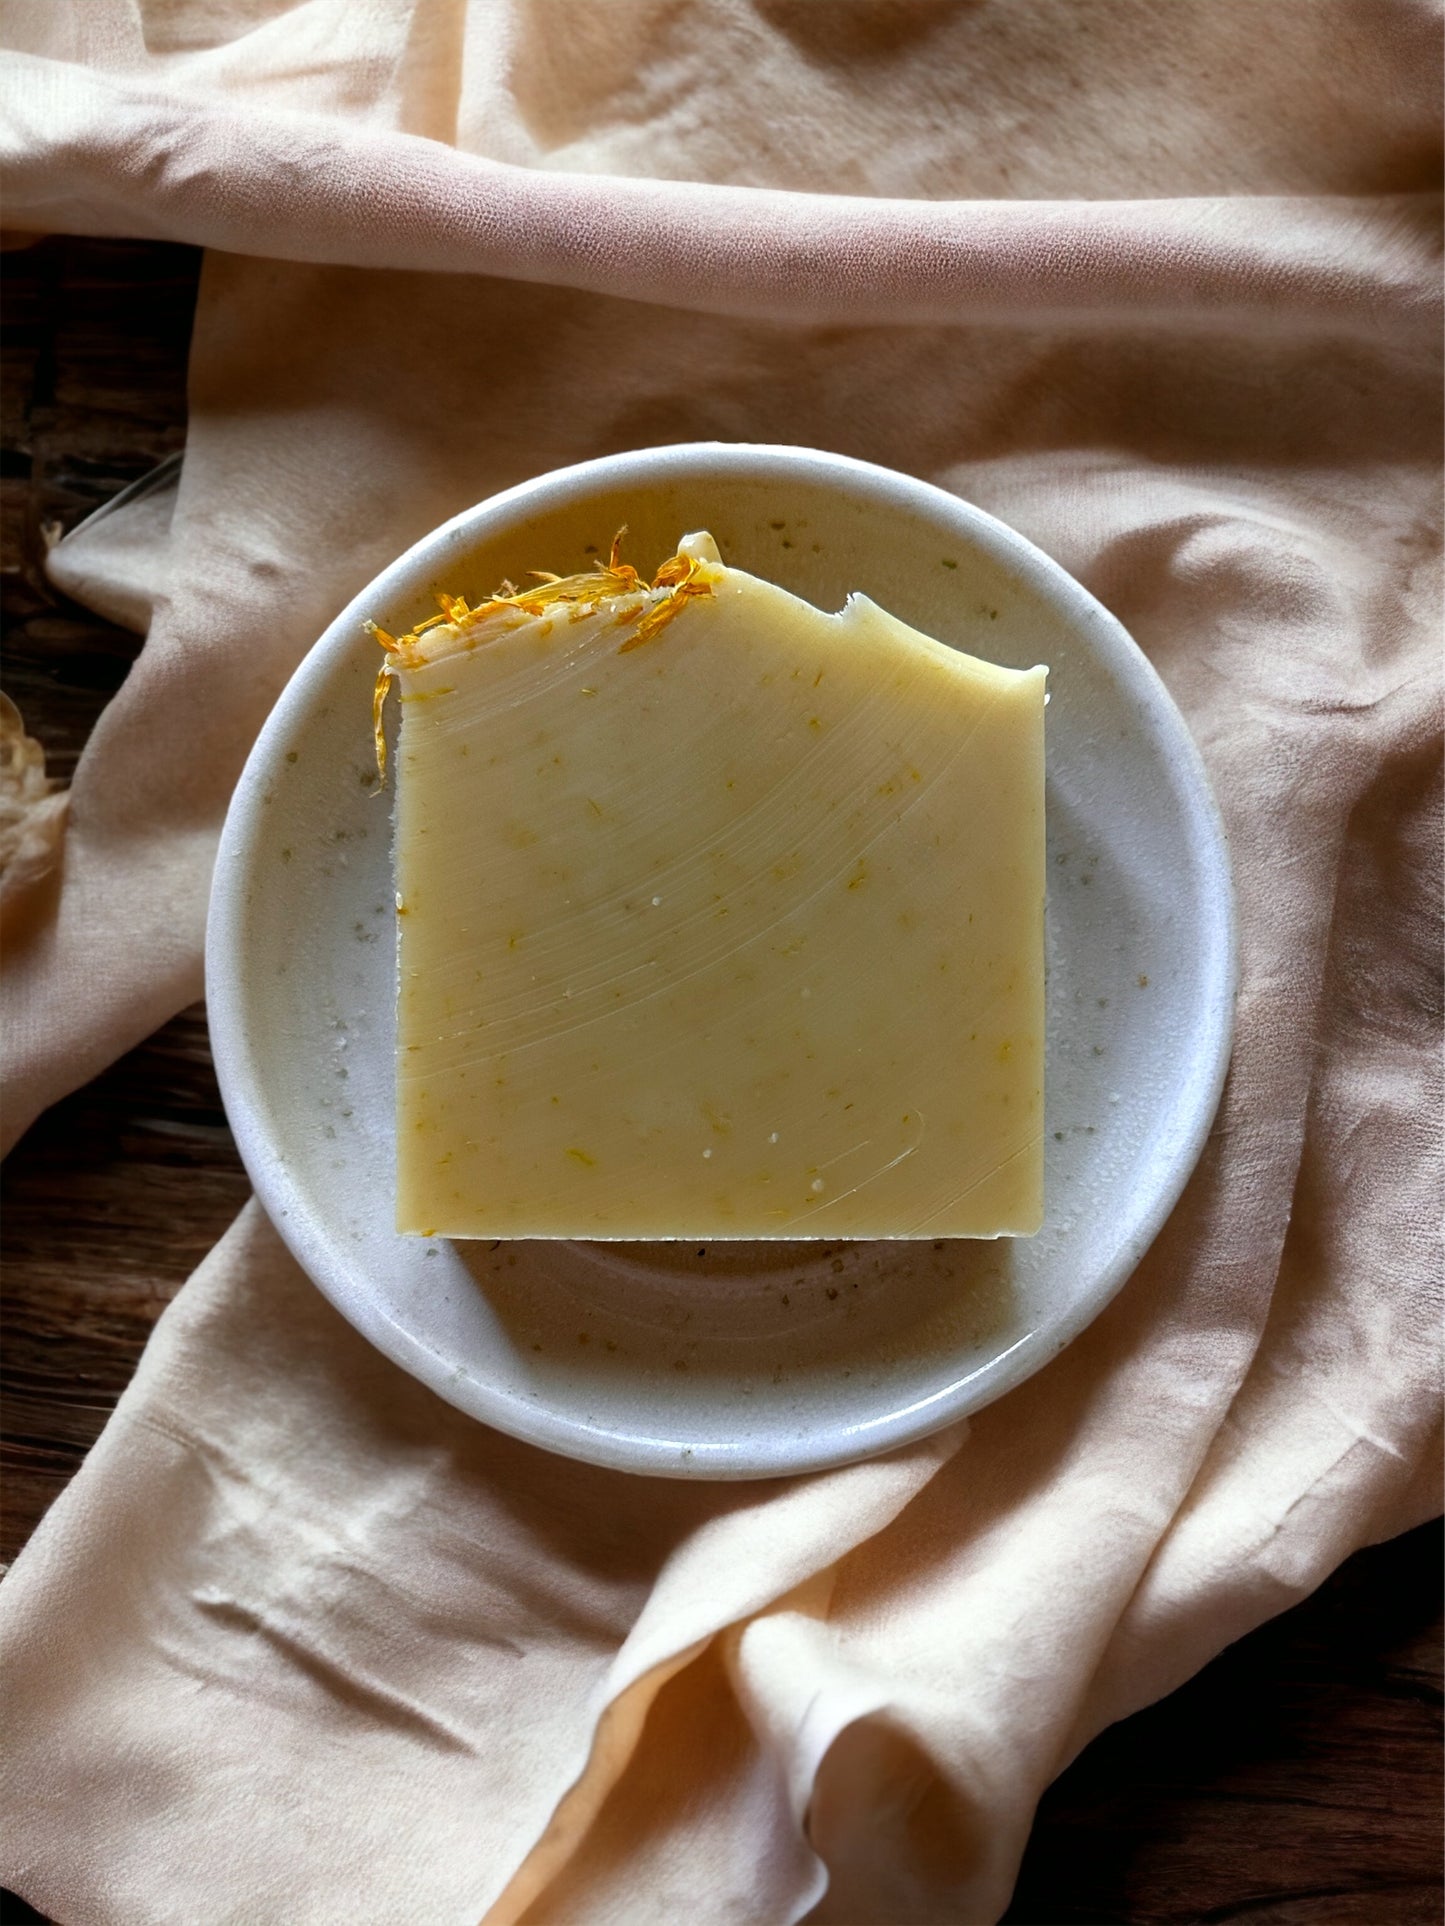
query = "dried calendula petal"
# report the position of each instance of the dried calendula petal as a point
(581, 595)
(32, 807)
(721, 917)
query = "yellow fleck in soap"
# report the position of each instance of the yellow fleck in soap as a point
(720, 917)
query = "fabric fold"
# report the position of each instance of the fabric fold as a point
(145, 161)
(365, 1580)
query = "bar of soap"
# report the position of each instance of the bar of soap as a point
(720, 917)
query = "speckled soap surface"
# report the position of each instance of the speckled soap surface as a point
(719, 917)
(735, 1359)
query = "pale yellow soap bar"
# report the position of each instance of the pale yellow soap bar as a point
(720, 917)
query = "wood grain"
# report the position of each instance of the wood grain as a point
(1296, 1782)
(92, 395)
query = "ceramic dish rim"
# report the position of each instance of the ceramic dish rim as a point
(301, 1224)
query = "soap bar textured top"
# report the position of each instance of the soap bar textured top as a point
(720, 917)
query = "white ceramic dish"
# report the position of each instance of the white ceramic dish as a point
(737, 1360)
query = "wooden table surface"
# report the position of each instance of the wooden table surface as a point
(1297, 1780)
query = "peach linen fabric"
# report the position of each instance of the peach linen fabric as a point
(1159, 286)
